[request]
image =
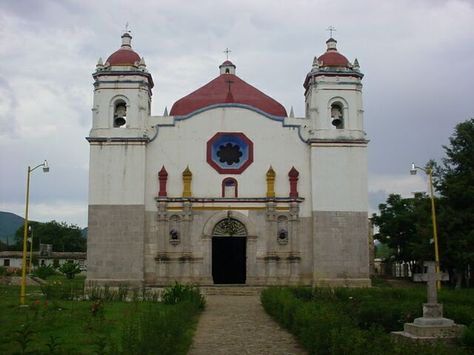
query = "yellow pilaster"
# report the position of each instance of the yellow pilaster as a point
(271, 182)
(187, 178)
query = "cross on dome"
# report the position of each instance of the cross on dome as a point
(331, 29)
(126, 30)
(227, 51)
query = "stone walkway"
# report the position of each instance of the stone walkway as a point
(239, 325)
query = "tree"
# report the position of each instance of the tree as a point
(455, 182)
(405, 227)
(63, 236)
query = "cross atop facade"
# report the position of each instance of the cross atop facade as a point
(331, 29)
(227, 51)
(126, 28)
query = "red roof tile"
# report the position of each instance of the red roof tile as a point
(217, 92)
(333, 59)
(123, 56)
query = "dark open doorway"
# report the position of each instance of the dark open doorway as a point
(229, 260)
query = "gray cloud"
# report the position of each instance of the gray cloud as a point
(416, 56)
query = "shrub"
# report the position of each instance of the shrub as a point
(352, 321)
(178, 293)
(165, 326)
(70, 269)
(44, 271)
(468, 336)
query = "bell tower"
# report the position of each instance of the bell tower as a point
(338, 145)
(117, 171)
(122, 94)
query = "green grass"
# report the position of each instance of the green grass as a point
(90, 327)
(358, 321)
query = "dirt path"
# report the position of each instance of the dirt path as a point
(239, 325)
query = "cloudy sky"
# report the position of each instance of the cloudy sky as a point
(417, 57)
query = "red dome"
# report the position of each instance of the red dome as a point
(124, 56)
(227, 88)
(333, 59)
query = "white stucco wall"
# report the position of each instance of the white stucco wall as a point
(339, 175)
(117, 174)
(185, 144)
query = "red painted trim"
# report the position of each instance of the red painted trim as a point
(163, 178)
(293, 175)
(218, 168)
(236, 186)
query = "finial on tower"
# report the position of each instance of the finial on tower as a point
(227, 51)
(331, 29)
(126, 37)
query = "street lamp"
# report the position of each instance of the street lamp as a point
(25, 230)
(30, 239)
(429, 172)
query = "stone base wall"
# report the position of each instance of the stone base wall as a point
(127, 245)
(190, 260)
(341, 248)
(115, 245)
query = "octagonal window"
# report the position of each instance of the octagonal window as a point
(229, 152)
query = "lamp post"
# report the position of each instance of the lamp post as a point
(429, 172)
(25, 230)
(30, 239)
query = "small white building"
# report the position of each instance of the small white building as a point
(228, 187)
(13, 259)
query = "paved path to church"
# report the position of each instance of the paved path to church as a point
(239, 325)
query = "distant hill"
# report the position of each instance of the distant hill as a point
(9, 224)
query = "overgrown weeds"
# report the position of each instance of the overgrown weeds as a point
(74, 324)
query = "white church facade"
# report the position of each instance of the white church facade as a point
(227, 188)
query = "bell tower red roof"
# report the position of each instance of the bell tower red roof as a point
(227, 88)
(125, 55)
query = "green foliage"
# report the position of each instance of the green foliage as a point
(81, 326)
(53, 345)
(160, 330)
(24, 336)
(455, 182)
(44, 271)
(405, 227)
(180, 293)
(63, 236)
(70, 269)
(353, 321)
(63, 289)
(468, 336)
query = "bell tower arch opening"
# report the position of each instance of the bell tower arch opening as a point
(229, 251)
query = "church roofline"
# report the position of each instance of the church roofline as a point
(227, 105)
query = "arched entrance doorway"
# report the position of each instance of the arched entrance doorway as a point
(229, 252)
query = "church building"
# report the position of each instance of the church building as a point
(227, 188)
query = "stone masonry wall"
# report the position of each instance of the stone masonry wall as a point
(115, 245)
(341, 255)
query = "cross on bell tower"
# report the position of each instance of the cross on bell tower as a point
(227, 51)
(331, 29)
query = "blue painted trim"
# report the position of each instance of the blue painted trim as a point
(236, 105)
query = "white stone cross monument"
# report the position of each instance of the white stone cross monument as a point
(432, 310)
(432, 325)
